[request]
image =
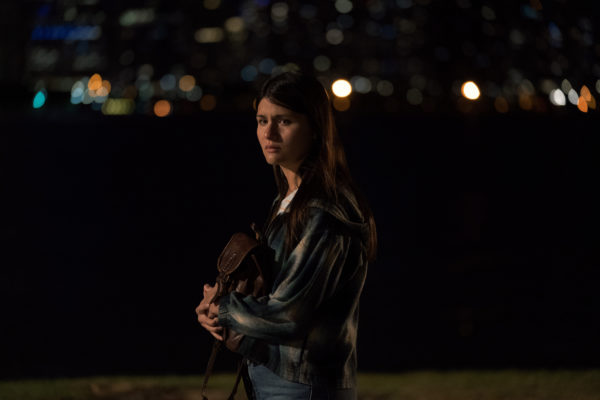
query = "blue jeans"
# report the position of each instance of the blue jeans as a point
(269, 386)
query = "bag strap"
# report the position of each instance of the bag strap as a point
(211, 361)
(237, 379)
(209, 367)
(235, 252)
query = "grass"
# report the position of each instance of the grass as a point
(418, 385)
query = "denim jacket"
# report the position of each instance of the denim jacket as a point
(305, 330)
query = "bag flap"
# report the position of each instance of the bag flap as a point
(235, 251)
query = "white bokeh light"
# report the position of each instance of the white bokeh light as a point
(557, 97)
(341, 88)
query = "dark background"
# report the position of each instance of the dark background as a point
(487, 220)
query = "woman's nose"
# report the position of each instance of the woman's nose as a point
(271, 131)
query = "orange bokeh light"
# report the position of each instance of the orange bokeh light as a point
(162, 108)
(187, 83)
(585, 93)
(582, 104)
(95, 82)
(341, 103)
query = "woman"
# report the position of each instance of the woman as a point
(300, 340)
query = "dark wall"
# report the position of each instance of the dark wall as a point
(110, 226)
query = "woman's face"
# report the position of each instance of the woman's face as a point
(284, 135)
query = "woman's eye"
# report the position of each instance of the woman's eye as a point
(262, 122)
(285, 122)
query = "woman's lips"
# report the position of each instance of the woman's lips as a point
(272, 149)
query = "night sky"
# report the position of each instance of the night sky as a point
(487, 210)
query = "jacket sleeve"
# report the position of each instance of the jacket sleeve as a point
(309, 275)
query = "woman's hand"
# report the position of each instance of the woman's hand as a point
(208, 312)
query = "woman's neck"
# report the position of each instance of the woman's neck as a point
(293, 179)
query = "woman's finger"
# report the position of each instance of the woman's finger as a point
(217, 333)
(214, 329)
(202, 307)
(204, 319)
(209, 321)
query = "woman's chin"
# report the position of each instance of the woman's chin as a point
(271, 160)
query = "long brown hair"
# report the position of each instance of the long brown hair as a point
(324, 171)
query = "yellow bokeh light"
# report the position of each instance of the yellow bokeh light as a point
(341, 88)
(95, 82)
(118, 107)
(470, 90)
(341, 103)
(234, 24)
(582, 104)
(208, 102)
(162, 108)
(187, 83)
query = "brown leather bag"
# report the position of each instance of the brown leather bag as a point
(243, 266)
(242, 269)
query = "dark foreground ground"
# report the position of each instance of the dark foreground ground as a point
(417, 385)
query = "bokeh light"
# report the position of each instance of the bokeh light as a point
(279, 11)
(573, 97)
(168, 82)
(162, 108)
(208, 102)
(470, 90)
(195, 94)
(211, 4)
(95, 82)
(266, 65)
(249, 73)
(187, 82)
(39, 99)
(566, 86)
(343, 6)
(582, 104)
(557, 97)
(385, 87)
(118, 107)
(334, 36)
(585, 93)
(390, 34)
(525, 101)
(234, 24)
(341, 103)
(209, 35)
(322, 63)
(104, 89)
(501, 105)
(361, 84)
(341, 88)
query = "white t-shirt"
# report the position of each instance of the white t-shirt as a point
(286, 202)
